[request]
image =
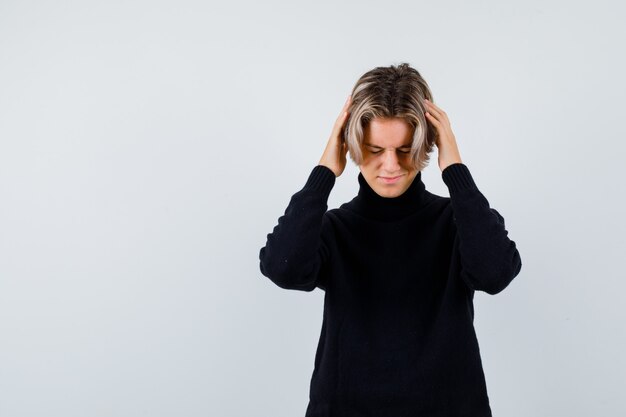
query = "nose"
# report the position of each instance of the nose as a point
(390, 162)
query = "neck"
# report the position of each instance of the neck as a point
(374, 206)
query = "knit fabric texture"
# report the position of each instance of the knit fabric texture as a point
(399, 276)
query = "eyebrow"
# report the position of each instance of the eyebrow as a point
(380, 147)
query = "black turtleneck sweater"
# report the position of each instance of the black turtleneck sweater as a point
(399, 276)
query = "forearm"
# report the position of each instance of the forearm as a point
(490, 260)
(294, 252)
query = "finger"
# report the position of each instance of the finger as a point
(438, 116)
(431, 104)
(435, 109)
(342, 116)
(339, 125)
(348, 101)
(431, 107)
(432, 119)
(344, 109)
(341, 119)
(346, 105)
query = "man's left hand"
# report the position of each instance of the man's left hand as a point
(446, 142)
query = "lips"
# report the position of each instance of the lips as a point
(390, 180)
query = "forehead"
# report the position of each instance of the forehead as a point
(388, 132)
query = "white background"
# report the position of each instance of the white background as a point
(147, 148)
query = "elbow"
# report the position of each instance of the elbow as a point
(501, 277)
(273, 269)
(491, 285)
(504, 277)
(498, 285)
(290, 281)
(504, 281)
(282, 274)
(493, 280)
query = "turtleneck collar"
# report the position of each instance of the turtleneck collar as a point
(370, 204)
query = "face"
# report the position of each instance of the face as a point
(386, 156)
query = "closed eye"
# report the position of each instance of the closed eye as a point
(377, 152)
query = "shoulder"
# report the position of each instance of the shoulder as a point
(439, 203)
(338, 214)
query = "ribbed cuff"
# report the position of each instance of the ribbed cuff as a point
(321, 179)
(457, 177)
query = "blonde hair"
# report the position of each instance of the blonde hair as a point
(385, 92)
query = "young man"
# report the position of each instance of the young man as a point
(398, 264)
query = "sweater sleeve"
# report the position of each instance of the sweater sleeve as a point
(489, 259)
(296, 251)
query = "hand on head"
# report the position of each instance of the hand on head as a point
(334, 156)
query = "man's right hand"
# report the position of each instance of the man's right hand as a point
(334, 156)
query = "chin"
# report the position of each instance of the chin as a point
(391, 192)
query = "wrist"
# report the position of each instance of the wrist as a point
(446, 161)
(329, 166)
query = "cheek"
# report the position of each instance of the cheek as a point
(368, 157)
(372, 161)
